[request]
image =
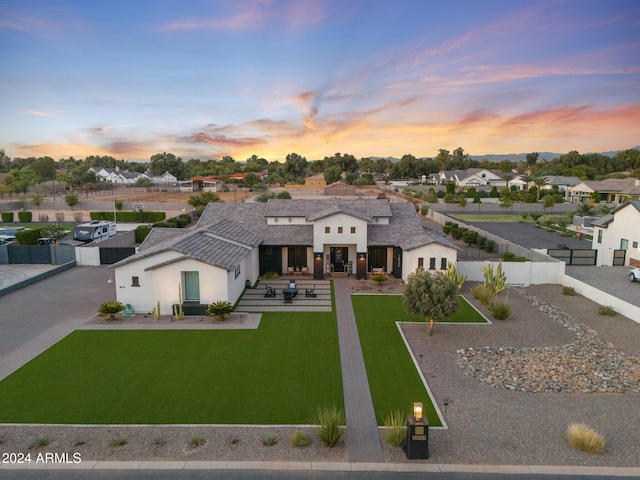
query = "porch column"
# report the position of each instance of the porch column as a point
(361, 266)
(318, 272)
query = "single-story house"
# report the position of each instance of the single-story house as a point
(234, 243)
(616, 236)
(612, 190)
(472, 177)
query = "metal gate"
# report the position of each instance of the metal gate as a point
(619, 256)
(574, 256)
(29, 254)
(111, 255)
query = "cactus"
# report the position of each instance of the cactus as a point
(177, 309)
(156, 311)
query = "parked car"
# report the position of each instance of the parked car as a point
(634, 274)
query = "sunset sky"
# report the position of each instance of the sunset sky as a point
(210, 78)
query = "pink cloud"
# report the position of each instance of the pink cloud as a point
(11, 19)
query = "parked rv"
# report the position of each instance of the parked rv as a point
(95, 231)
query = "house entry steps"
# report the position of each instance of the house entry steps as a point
(363, 438)
(257, 300)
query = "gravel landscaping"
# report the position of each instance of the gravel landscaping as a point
(488, 422)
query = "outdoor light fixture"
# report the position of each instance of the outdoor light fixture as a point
(110, 280)
(362, 256)
(319, 256)
(417, 410)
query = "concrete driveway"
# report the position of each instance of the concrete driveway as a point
(612, 280)
(526, 235)
(71, 296)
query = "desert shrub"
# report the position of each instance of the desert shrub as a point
(446, 229)
(520, 259)
(380, 278)
(329, 425)
(424, 210)
(43, 217)
(269, 441)
(499, 310)
(197, 441)
(568, 291)
(300, 439)
(482, 293)
(607, 310)
(396, 431)
(481, 241)
(42, 441)
(7, 217)
(489, 246)
(59, 217)
(119, 441)
(219, 309)
(470, 237)
(25, 216)
(582, 437)
(508, 256)
(458, 232)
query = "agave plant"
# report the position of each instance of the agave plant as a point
(219, 309)
(111, 309)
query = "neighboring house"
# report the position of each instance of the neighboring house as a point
(234, 243)
(611, 190)
(616, 236)
(165, 179)
(339, 189)
(315, 181)
(202, 184)
(472, 177)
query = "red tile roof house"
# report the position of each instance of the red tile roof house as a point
(234, 243)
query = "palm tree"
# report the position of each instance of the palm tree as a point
(539, 181)
(111, 309)
(219, 309)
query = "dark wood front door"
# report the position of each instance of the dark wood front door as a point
(339, 259)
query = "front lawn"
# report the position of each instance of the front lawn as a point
(395, 384)
(278, 374)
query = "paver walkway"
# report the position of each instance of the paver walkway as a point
(362, 428)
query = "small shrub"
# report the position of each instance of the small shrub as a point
(300, 439)
(119, 441)
(582, 437)
(110, 309)
(446, 229)
(520, 259)
(41, 441)
(25, 216)
(489, 246)
(159, 442)
(59, 217)
(329, 425)
(197, 441)
(499, 310)
(568, 291)
(269, 441)
(380, 278)
(7, 217)
(141, 233)
(396, 431)
(220, 309)
(607, 310)
(482, 293)
(508, 256)
(43, 217)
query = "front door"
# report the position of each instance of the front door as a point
(191, 286)
(339, 259)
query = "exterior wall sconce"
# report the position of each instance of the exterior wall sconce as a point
(110, 280)
(417, 410)
(319, 256)
(361, 256)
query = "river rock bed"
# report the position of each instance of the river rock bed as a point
(588, 365)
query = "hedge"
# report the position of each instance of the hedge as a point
(133, 217)
(7, 217)
(29, 236)
(141, 233)
(24, 216)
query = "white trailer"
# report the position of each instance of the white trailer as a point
(95, 231)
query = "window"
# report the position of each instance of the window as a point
(443, 263)
(135, 281)
(237, 271)
(432, 263)
(624, 244)
(327, 229)
(599, 236)
(634, 244)
(420, 262)
(353, 229)
(339, 229)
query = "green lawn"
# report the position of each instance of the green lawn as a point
(395, 384)
(278, 374)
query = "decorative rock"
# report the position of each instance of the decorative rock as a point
(587, 365)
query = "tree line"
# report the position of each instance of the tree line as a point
(22, 173)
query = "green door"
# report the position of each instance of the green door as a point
(191, 287)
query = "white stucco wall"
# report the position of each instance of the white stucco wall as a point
(410, 257)
(359, 239)
(626, 225)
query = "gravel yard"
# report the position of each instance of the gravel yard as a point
(487, 424)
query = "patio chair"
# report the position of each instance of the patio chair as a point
(288, 297)
(310, 292)
(128, 311)
(304, 271)
(289, 270)
(270, 292)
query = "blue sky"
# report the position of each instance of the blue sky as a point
(372, 78)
